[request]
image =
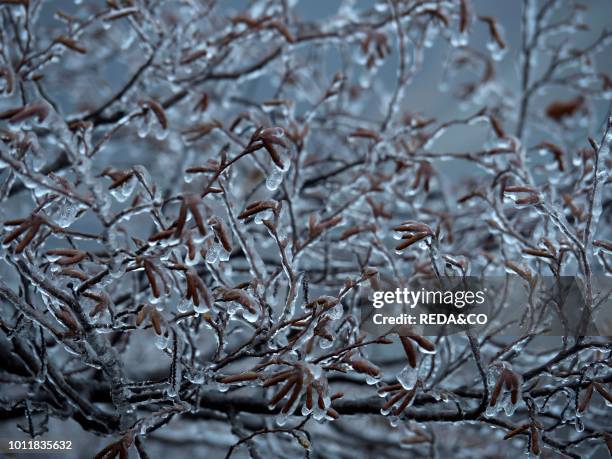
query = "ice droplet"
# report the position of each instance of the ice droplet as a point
(250, 316)
(497, 51)
(65, 213)
(274, 179)
(261, 216)
(336, 312)
(425, 351)
(212, 254)
(161, 342)
(459, 39)
(509, 407)
(197, 377)
(277, 132)
(161, 133)
(224, 255)
(222, 387)
(408, 377)
(201, 308)
(183, 305)
(144, 127)
(281, 419)
(193, 261)
(123, 192)
(325, 343)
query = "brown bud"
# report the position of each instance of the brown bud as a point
(409, 351)
(584, 403)
(241, 377)
(411, 239)
(159, 112)
(365, 367)
(423, 342)
(71, 44)
(517, 431)
(283, 391)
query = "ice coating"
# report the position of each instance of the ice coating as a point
(210, 204)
